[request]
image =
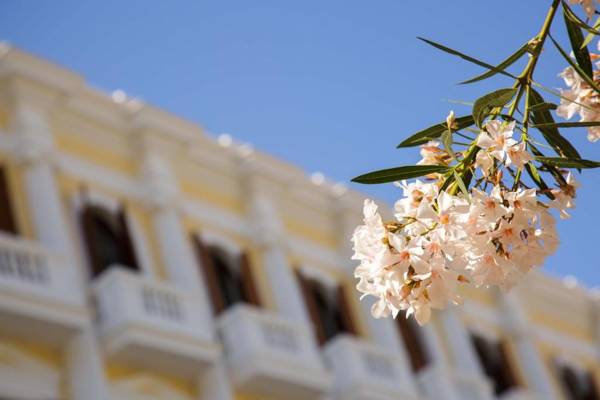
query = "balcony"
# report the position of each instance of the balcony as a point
(364, 371)
(40, 298)
(270, 356)
(152, 324)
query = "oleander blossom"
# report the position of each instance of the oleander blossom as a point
(581, 99)
(438, 241)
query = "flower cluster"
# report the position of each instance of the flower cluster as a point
(438, 240)
(581, 99)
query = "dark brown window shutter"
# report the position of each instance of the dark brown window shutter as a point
(7, 219)
(413, 342)
(209, 273)
(128, 251)
(248, 284)
(87, 217)
(346, 315)
(495, 363)
(311, 306)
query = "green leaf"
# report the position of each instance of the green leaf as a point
(568, 162)
(576, 37)
(591, 34)
(576, 67)
(543, 107)
(484, 105)
(535, 176)
(568, 12)
(399, 173)
(465, 57)
(500, 67)
(544, 122)
(584, 124)
(435, 131)
(462, 186)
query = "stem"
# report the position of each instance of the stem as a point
(523, 83)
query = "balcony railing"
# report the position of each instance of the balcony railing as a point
(152, 323)
(272, 356)
(363, 370)
(39, 290)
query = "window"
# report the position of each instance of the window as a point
(228, 277)
(494, 361)
(328, 308)
(107, 239)
(577, 384)
(413, 341)
(7, 221)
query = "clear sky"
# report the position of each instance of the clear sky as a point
(330, 86)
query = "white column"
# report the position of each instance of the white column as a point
(529, 358)
(385, 332)
(215, 384)
(459, 341)
(435, 380)
(468, 376)
(175, 247)
(269, 237)
(34, 148)
(85, 372)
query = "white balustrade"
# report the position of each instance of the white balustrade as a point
(270, 355)
(153, 323)
(40, 298)
(363, 370)
(27, 267)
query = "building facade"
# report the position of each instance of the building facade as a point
(141, 259)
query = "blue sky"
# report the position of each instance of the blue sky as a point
(330, 86)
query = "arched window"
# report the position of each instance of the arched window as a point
(228, 276)
(107, 239)
(577, 384)
(412, 336)
(7, 220)
(328, 308)
(495, 363)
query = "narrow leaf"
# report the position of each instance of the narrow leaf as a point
(591, 33)
(582, 54)
(435, 131)
(576, 67)
(568, 162)
(462, 186)
(485, 104)
(465, 57)
(399, 173)
(543, 120)
(543, 107)
(500, 67)
(447, 141)
(535, 176)
(583, 124)
(578, 21)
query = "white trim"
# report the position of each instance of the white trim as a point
(212, 238)
(319, 275)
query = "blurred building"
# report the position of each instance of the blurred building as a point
(141, 259)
